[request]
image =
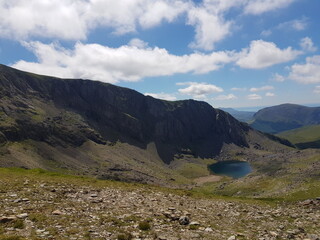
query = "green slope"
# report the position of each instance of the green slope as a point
(304, 137)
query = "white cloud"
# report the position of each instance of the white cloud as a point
(157, 11)
(263, 54)
(238, 89)
(307, 45)
(296, 24)
(136, 42)
(257, 7)
(75, 19)
(270, 94)
(225, 97)
(210, 28)
(165, 96)
(278, 78)
(254, 97)
(199, 90)
(317, 90)
(72, 19)
(264, 88)
(266, 33)
(308, 72)
(126, 63)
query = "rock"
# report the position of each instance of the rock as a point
(274, 234)
(208, 229)
(232, 238)
(194, 223)
(7, 219)
(184, 220)
(22, 215)
(57, 212)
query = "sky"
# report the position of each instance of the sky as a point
(229, 53)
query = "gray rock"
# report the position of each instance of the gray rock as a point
(184, 220)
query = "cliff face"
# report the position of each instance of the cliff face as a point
(71, 111)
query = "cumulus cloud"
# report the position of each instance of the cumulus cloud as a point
(198, 90)
(126, 63)
(308, 72)
(136, 42)
(254, 97)
(307, 45)
(72, 19)
(263, 54)
(317, 90)
(296, 24)
(277, 77)
(266, 33)
(264, 88)
(165, 96)
(210, 28)
(75, 19)
(238, 89)
(226, 97)
(270, 94)
(261, 6)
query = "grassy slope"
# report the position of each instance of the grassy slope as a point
(303, 134)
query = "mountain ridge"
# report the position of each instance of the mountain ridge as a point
(285, 117)
(95, 128)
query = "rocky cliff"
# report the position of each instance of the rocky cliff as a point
(72, 111)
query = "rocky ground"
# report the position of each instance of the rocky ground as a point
(66, 208)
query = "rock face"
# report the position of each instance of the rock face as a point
(71, 111)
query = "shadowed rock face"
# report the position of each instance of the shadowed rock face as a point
(71, 111)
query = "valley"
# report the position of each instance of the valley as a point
(88, 160)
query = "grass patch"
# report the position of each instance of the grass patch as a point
(125, 236)
(11, 238)
(303, 134)
(193, 170)
(144, 226)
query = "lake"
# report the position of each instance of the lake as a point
(234, 169)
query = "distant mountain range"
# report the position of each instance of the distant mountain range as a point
(285, 117)
(94, 128)
(243, 116)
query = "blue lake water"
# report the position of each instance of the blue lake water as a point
(234, 169)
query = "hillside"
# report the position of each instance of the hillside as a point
(304, 137)
(94, 128)
(35, 204)
(242, 116)
(84, 127)
(285, 117)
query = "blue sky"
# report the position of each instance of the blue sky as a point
(230, 53)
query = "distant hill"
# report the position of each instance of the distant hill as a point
(285, 117)
(304, 137)
(243, 116)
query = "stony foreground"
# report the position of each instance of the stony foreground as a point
(44, 208)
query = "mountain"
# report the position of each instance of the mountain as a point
(87, 127)
(285, 117)
(304, 137)
(243, 116)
